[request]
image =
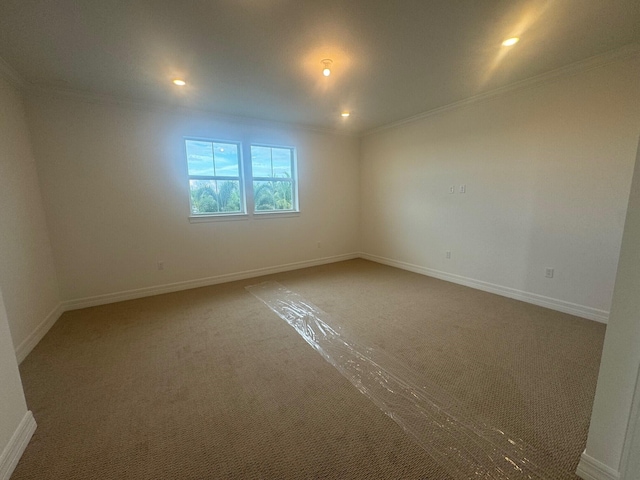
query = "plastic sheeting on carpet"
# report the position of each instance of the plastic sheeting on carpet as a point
(465, 446)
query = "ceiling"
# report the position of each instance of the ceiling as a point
(262, 58)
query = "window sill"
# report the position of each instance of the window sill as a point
(272, 214)
(218, 218)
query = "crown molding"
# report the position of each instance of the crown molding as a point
(11, 75)
(590, 63)
(597, 61)
(101, 99)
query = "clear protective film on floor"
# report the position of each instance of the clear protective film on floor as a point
(464, 445)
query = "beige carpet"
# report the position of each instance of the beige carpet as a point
(210, 383)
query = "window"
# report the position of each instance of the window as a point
(218, 180)
(215, 180)
(274, 179)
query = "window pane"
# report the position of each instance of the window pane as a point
(226, 159)
(215, 196)
(273, 196)
(281, 162)
(200, 158)
(261, 161)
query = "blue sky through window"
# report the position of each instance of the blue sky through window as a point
(212, 158)
(260, 161)
(270, 162)
(281, 162)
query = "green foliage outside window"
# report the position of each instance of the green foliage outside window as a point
(215, 196)
(215, 182)
(273, 195)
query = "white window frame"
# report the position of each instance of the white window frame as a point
(295, 210)
(212, 216)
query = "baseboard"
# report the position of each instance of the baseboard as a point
(17, 444)
(32, 340)
(202, 282)
(548, 302)
(591, 469)
(40, 331)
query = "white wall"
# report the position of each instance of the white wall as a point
(14, 407)
(547, 171)
(27, 275)
(114, 182)
(621, 353)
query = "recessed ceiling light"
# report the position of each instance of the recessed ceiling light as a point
(180, 83)
(327, 62)
(345, 114)
(510, 41)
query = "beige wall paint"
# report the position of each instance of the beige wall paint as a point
(27, 275)
(621, 353)
(547, 171)
(114, 181)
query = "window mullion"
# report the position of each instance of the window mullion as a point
(272, 179)
(208, 177)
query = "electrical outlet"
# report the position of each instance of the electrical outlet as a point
(452, 189)
(160, 265)
(463, 189)
(548, 273)
(447, 254)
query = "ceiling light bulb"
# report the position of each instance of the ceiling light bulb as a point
(510, 41)
(180, 83)
(345, 114)
(327, 62)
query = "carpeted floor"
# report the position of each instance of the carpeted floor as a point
(210, 383)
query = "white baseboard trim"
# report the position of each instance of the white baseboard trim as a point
(201, 282)
(40, 331)
(548, 302)
(32, 340)
(17, 444)
(591, 469)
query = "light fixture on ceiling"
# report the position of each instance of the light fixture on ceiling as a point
(509, 42)
(327, 62)
(345, 114)
(179, 82)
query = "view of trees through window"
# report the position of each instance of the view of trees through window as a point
(215, 196)
(214, 177)
(272, 170)
(215, 181)
(273, 195)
